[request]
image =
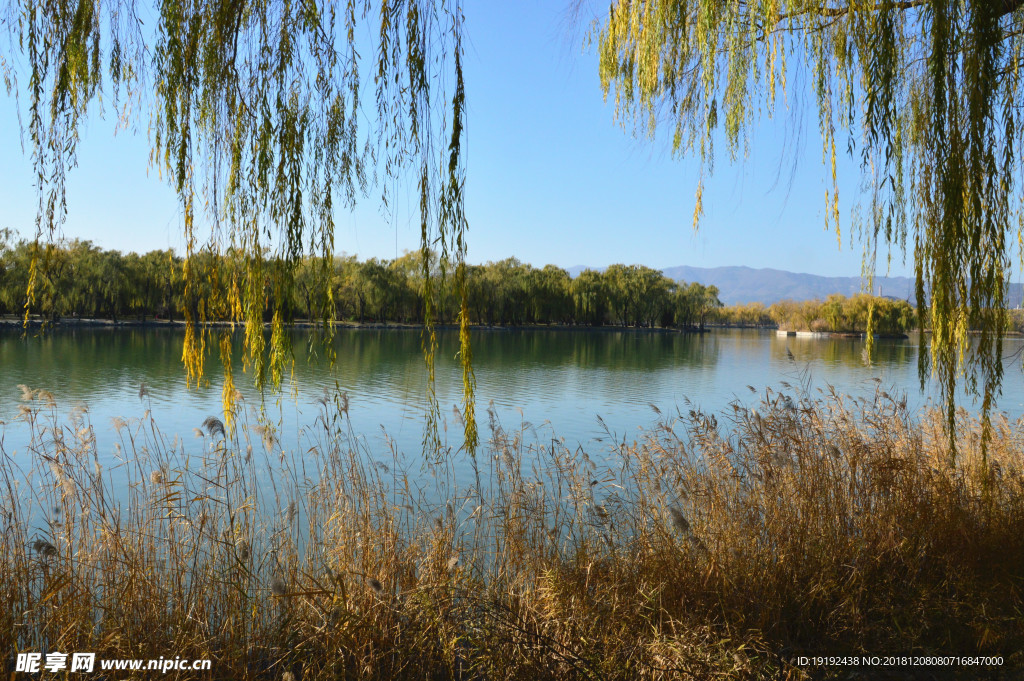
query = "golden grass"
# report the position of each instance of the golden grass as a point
(717, 546)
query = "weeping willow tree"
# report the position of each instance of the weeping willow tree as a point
(926, 95)
(255, 114)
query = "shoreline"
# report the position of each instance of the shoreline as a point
(789, 333)
(11, 322)
(15, 322)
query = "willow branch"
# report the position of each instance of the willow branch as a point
(1002, 8)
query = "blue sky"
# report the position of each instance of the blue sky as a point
(551, 177)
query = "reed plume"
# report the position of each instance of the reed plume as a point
(714, 546)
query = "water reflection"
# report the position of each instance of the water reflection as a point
(561, 378)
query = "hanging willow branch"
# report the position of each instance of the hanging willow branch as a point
(255, 116)
(928, 90)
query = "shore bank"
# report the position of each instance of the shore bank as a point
(14, 322)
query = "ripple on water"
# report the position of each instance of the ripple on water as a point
(560, 381)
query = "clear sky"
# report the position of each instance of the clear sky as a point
(551, 178)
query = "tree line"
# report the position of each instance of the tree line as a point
(835, 314)
(77, 279)
(839, 314)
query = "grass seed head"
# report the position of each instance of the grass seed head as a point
(44, 548)
(214, 426)
(679, 520)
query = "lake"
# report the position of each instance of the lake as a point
(552, 383)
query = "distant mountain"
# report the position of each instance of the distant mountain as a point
(575, 270)
(749, 285)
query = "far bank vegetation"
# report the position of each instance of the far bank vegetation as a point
(79, 280)
(839, 314)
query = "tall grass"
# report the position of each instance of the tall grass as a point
(715, 546)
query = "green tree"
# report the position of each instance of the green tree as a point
(693, 303)
(408, 270)
(708, 301)
(7, 271)
(589, 292)
(161, 268)
(549, 295)
(508, 282)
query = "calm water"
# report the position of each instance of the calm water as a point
(556, 383)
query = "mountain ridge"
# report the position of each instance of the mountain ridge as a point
(742, 284)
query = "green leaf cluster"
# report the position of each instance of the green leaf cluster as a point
(927, 95)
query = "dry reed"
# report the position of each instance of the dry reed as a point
(717, 546)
